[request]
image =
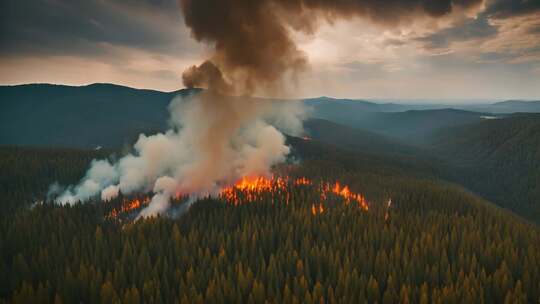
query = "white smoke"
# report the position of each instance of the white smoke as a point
(100, 175)
(213, 140)
(110, 192)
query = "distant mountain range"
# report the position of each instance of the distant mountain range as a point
(412, 126)
(502, 107)
(355, 139)
(512, 106)
(328, 104)
(88, 116)
(109, 115)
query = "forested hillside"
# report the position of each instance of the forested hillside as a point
(79, 117)
(438, 243)
(499, 159)
(496, 158)
(111, 116)
(26, 173)
(349, 138)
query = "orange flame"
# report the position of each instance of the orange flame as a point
(387, 213)
(348, 195)
(128, 206)
(303, 181)
(317, 209)
(250, 188)
(255, 188)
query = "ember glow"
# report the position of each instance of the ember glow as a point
(249, 190)
(348, 196)
(317, 209)
(128, 206)
(387, 212)
(277, 189)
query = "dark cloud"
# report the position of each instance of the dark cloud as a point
(253, 43)
(67, 27)
(535, 30)
(509, 8)
(471, 29)
(253, 46)
(480, 27)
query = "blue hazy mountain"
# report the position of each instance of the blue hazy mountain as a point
(110, 115)
(87, 116)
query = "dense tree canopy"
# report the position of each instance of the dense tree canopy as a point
(439, 244)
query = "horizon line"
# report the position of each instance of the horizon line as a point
(402, 99)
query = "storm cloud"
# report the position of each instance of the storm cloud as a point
(83, 28)
(149, 43)
(252, 39)
(487, 25)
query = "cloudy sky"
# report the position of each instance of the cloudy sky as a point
(489, 52)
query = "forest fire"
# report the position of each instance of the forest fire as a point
(387, 213)
(247, 189)
(128, 206)
(257, 188)
(349, 196)
(317, 209)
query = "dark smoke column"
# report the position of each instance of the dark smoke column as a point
(253, 48)
(252, 42)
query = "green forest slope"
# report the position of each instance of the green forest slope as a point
(439, 244)
(497, 158)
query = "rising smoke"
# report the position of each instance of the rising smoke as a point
(252, 40)
(213, 141)
(216, 138)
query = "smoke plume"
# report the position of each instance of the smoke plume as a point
(252, 39)
(213, 141)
